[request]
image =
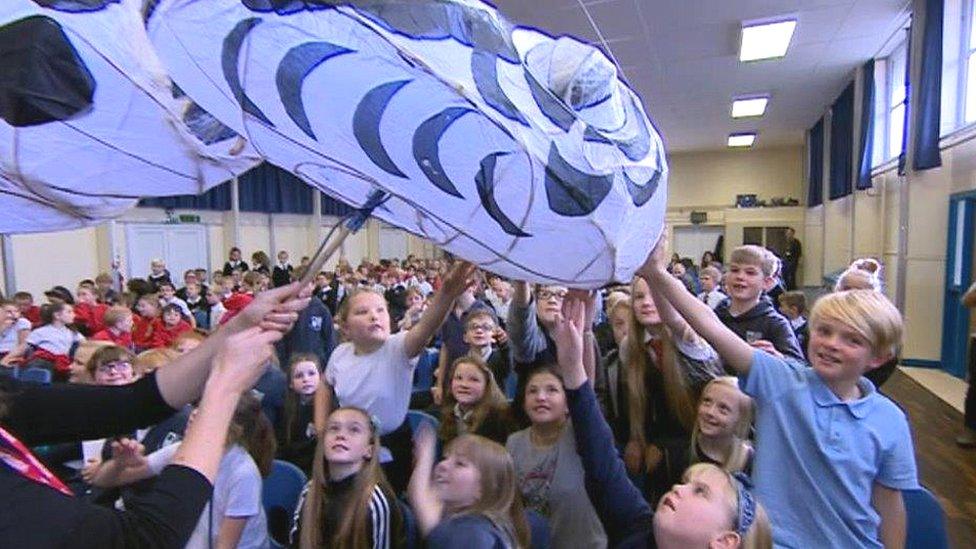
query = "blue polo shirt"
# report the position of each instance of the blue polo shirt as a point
(817, 457)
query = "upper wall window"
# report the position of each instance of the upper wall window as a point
(889, 113)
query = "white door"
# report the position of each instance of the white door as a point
(182, 247)
(695, 240)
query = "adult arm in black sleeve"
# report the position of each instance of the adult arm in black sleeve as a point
(47, 414)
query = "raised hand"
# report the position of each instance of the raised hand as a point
(567, 332)
(275, 309)
(424, 444)
(127, 452)
(458, 278)
(657, 261)
(237, 365)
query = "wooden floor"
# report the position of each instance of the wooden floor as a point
(946, 470)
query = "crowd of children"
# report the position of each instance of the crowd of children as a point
(693, 406)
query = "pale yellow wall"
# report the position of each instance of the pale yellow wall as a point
(215, 241)
(714, 178)
(837, 233)
(291, 235)
(255, 234)
(62, 258)
(812, 239)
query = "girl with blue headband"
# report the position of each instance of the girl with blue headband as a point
(709, 508)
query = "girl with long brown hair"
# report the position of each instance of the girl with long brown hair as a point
(470, 499)
(474, 404)
(666, 366)
(296, 433)
(348, 503)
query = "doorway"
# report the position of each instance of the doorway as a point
(182, 247)
(694, 240)
(959, 275)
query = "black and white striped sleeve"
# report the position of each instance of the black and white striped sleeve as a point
(380, 519)
(294, 536)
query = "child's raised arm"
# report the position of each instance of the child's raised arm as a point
(454, 285)
(426, 505)
(736, 353)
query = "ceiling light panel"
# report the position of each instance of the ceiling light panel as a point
(745, 107)
(766, 40)
(742, 139)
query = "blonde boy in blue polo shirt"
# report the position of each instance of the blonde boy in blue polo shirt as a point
(832, 455)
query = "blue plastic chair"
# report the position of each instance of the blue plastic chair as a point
(511, 385)
(36, 375)
(926, 521)
(423, 376)
(280, 495)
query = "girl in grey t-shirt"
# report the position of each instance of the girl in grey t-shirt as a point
(548, 468)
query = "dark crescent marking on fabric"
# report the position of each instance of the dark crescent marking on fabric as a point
(640, 194)
(634, 148)
(284, 7)
(37, 89)
(638, 146)
(593, 135)
(484, 70)
(571, 192)
(296, 65)
(366, 124)
(229, 57)
(426, 150)
(75, 6)
(485, 184)
(555, 111)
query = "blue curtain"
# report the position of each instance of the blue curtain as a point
(815, 138)
(331, 206)
(866, 141)
(217, 198)
(929, 89)
(842, 143)
(264, 189)
(269, 189)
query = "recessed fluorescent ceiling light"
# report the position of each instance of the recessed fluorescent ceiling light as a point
(742, 139)
(749, 106)
(766, 41)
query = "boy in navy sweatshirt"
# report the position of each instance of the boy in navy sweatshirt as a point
(749, 313)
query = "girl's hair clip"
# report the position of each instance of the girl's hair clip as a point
(747, 503)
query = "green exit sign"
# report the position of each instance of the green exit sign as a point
(189, 218)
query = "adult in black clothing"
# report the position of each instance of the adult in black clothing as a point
(38, 511)
(234, 263)
(791, 258)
